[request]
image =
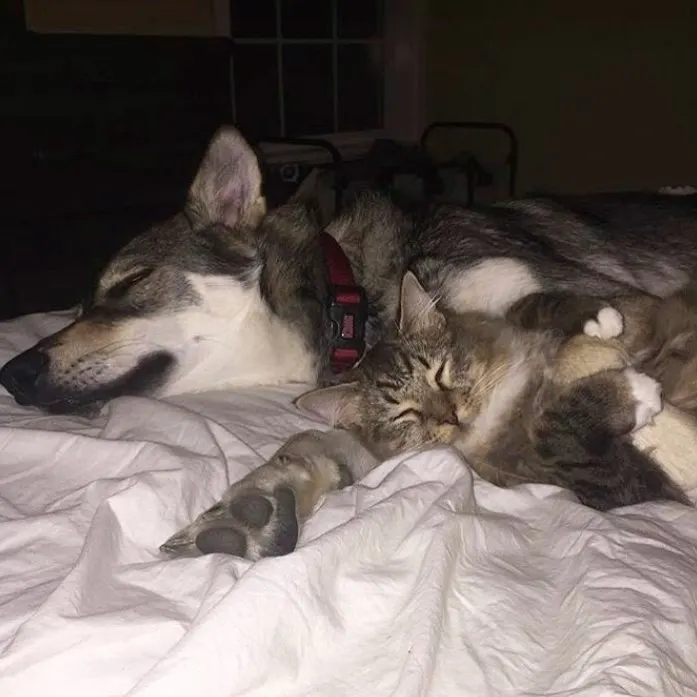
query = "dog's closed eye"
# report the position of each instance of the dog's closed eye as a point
(118, 290)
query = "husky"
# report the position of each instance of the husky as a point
(228, 294)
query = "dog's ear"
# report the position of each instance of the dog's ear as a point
(337, 405)
(417, 309)
(227, 186)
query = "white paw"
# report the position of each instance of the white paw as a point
(608, 324)
(648, 396)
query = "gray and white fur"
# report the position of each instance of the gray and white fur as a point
(227, 293)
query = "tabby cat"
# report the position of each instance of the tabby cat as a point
(487, 386)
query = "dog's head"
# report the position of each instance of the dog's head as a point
(220, 295)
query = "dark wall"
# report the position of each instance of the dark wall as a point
(101, 136)
(600, 93)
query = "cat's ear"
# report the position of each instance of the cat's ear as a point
(417, 309)
(227, 186)
(337, 405)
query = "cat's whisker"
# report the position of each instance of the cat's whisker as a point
(490, 378)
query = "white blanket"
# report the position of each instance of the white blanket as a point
(420, 580)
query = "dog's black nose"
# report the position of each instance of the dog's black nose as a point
(20, 376)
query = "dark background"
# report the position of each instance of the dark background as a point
(102, 133)
(106, 107)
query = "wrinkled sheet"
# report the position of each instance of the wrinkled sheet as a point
(419, 580)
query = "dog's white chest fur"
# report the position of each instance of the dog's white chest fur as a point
(233, 339)
(492, 286)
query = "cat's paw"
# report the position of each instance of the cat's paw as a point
(608, 324)
(648, 397)
(252, 524)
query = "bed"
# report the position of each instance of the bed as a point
(419, 580)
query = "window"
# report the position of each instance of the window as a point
(307, 67)
(344, 69)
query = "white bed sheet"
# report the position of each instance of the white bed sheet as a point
(420, 580)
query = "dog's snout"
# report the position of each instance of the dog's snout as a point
(20, 375)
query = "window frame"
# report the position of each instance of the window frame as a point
(403, 87)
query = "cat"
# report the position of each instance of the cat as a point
(486, 386)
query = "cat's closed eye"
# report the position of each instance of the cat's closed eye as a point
(440, 378)
(410, 414)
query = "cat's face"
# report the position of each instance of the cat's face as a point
(420, 387)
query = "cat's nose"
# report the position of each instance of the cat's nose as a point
(450, 418)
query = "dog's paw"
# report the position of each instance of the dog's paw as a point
(608, 324)
(253, 524)
(648, 397)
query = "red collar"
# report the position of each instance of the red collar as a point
(347, 308)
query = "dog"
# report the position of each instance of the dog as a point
(228, 294)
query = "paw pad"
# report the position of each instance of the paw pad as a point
(225, 540)
(252, 525)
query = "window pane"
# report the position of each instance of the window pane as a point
(253, 19)
(306, 19)
(359, 19)
(360, 87)
(255, 78)
(307, 90)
